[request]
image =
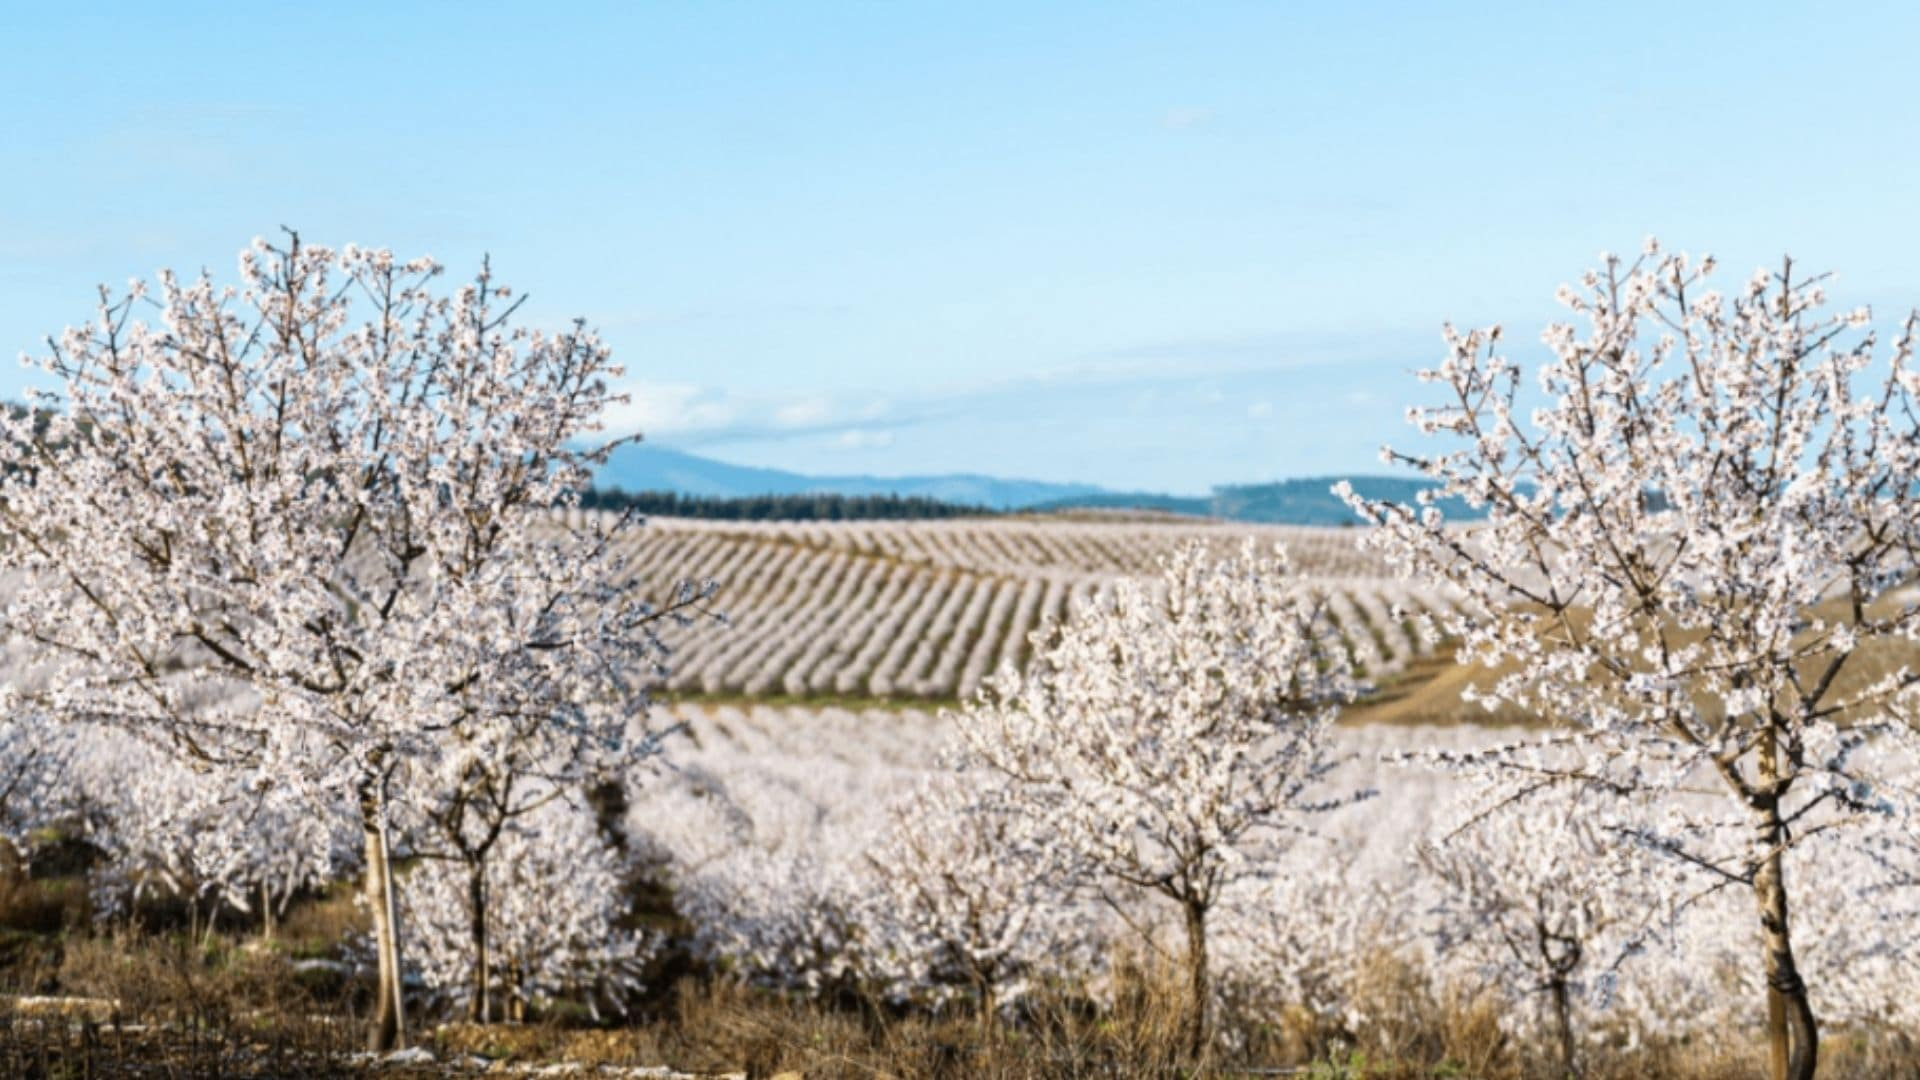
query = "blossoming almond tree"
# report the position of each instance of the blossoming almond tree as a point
(768, 896)
(228, 837)
(548, 733)
(560, 892)
(36, 757)
(1534, 899)
(968, 899)
(331, 486)
(1170, 737)
(1302, 933)
(1689, 559)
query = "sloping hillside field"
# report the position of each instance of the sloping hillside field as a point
(925, 610)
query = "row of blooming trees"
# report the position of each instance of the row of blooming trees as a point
(327, 494)
(548, 923)
(808, 854)
(300, 536)
(1693, 545)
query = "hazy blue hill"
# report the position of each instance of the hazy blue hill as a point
(1195, 505)
(645, 467)
(1312, 502)
(648, 468)
(1287, 502)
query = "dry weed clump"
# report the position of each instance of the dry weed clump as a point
(180, 981)
(318, 924)
(127, 1004)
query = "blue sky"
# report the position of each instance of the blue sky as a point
(1153, 245)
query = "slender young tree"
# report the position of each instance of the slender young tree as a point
(1535, 899)
(1689, 546)
(966, 899)
(1167, 739)
(512, 763)
(332, 487)
(560, 893)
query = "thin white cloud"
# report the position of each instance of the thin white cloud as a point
(863, 439)
(672, 409)
(690, 414)
(806, 412)
(1163, 379)
(1183, 118)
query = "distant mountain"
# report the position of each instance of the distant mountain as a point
(1288, 502)
(645, 467)
(1312, 502)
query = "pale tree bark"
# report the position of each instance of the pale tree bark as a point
(1199, 987)
(388, 1029)
(479, 1008)
(1792, 1033)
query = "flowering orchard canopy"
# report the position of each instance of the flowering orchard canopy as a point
(332, 490)
(1694, 558)
(328, 483)
(1698, 533)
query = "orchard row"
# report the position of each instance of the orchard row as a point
(930, 609)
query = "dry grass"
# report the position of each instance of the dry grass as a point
(219, 1006)
(710, 1026)
(181, 981)
(240, 1013)
(1428, 693)
(1428, 690)
(134, 1004)
(318, 924)
(1409, 1034)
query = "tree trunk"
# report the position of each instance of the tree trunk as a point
(388, 1030)
(479, 1009)
(989, 1008)
(1793, 1035)
(1563, 1025)
(266, 912)
(1199, 990)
